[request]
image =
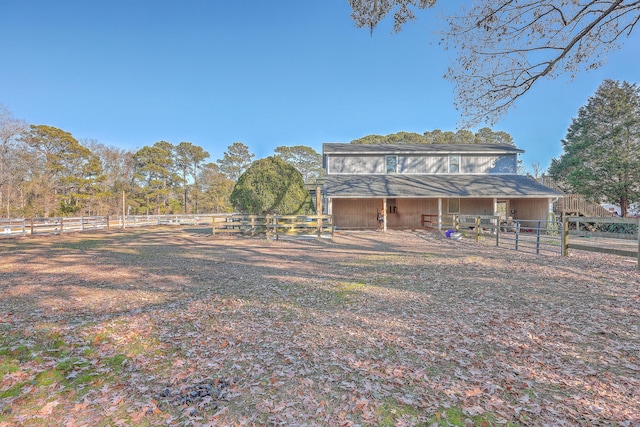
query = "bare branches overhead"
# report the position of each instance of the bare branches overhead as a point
(368, 13)
(502, 48)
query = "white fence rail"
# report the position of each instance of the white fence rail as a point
(272, 226)
(17, 227)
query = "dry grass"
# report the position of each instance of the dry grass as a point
(402, 328)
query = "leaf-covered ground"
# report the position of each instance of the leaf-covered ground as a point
(168, 326)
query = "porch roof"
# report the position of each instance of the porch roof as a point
(432, 186)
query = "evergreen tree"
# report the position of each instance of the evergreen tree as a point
(271, 186)
(236, 160)
(601, 158)
(305, 159)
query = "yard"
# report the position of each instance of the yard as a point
(167, 326)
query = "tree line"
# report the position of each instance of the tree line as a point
(463, 136)
(46, 171)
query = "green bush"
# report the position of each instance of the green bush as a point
(271, 186)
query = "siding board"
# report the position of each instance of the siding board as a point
(415, 164)
(356, 164)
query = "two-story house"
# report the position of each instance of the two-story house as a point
(406, 181)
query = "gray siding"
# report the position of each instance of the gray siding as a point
(356, 165)
(437, 164)
(418, 164)
(412, 164)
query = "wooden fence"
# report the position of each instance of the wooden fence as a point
(60, 225)
(587, 237)
(434, 221)
(271, 225)
(275, 226)
(49, 226)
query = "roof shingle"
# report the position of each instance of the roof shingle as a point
(430, 186)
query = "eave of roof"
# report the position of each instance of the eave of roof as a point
(330, 148)
(432, 186)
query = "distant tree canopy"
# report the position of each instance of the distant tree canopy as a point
(235, 161)
(64, 170)
(271, 186)
(502, 47)
(303, 158)
(601, 158)
(483, 136)
(215, 190)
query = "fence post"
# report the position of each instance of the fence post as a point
(564, 240)
(333, 228)
(456, 222)
(638, 232)
(538, 238)
(81, 224)
(477, 229)
(61, 225)
(32, 229)
(517, 233)
(276, 226)
(498, 232)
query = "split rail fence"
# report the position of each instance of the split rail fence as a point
(275, 226)
(271, 225)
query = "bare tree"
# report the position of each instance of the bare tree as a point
(504, 47)
(10, 129)
(368, 13)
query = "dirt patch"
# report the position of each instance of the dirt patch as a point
(397, 328)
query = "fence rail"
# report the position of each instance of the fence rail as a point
(539, 237)
(591, 234)
(615, 236)
(620, 243)
(522, 235)
(275, 226)
(436, 221)
(271, 225)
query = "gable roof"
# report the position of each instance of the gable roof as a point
(431, 186)
(344, 148)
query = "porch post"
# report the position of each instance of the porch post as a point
(439, 213)
(318, 200)
(384, 214)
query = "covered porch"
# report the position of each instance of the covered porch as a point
(355, 200)
(403, 213)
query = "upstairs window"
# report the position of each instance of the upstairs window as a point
(454, 164)
(392, 164)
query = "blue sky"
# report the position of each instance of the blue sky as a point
(265, 73)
